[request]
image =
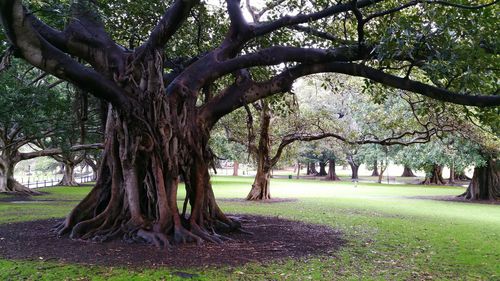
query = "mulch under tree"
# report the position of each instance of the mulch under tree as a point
(274, 238)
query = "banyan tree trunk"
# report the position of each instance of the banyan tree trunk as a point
(332, 175)
(375, 172)
(407, 172)
(322, 169)
(68, 178)
(451, 180)
(485, 183)
(7, 182)
(146, 150)
(94, 166)
(312, 169)
(354, 168)
(260, 187)
(236, 166)
(435, 176)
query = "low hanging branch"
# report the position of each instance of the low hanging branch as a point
(56, 151)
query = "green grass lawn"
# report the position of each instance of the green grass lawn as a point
(391, 234)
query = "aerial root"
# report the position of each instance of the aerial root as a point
(183, 236)
(198, 231)
(158, 239)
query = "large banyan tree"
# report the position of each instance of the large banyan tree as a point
(161, 113)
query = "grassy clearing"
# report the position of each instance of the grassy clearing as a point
(392, 235)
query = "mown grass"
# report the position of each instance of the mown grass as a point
(391, 235)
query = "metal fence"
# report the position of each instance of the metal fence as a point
(37, 183)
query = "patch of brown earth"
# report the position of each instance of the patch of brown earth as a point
(273, 239)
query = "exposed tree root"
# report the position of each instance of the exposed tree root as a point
(14, 187)
(485, 183)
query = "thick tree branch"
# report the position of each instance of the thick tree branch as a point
(286, 21)
(40, 53)
(55, 151)
(238, 22)
(171, 21)
(248, 91)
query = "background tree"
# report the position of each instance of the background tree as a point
(162, 117)
(28, 114)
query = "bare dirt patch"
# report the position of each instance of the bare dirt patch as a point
(273, 239)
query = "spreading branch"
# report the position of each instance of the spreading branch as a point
(56, 151)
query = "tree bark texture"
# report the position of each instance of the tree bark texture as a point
(354, 167)
(94, 166)
(332, 175)
(382, 170)
(260, 187)
(435, 176)
(375, 172)
(322, 169)
(485, 183)
(7, 182)
(407, 172)
(236, 166)
(68, 178)
(312, 169)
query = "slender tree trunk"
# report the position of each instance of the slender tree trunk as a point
(68, 178)
(435, 176)
(407, 172)
(375, 169)
(485, 183)
(322, 169)
(298, 169)
(382, 170)
(308, 168)
(451, 180)
(236, 166)
(94, 166)
(260, 187)
(7, 182)
(354, 167)
(332, 175)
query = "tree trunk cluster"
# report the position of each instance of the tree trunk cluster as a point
(68, 178)
(485, 183)
(407, 172)
(435, 176)
(332, 175)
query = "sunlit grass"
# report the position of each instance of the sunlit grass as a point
(392, 234)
